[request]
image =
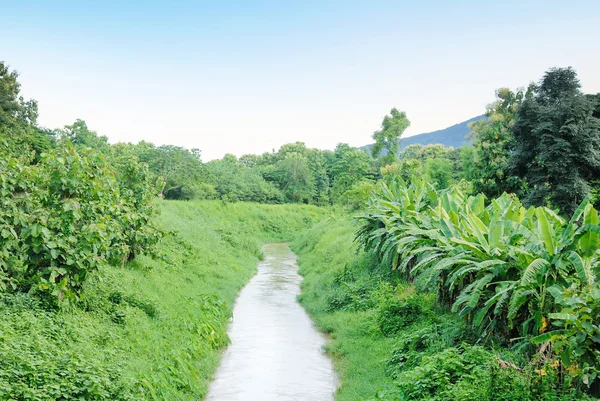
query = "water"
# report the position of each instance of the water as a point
(275, 352)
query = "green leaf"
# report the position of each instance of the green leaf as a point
(480, 315)
(589, 242)
(582, 267)
(556, 291)
(562, 316)
(588, 327)
(549, 336)
(532, 272)
(546, 230)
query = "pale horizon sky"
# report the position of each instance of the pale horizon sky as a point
(247, 77)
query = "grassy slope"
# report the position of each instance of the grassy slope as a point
(359, 351)
(151, 330)
(427, 353)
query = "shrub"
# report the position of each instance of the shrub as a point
(352, 289)
(395, 314)
(400, 306)
(577, 334)
(65, 217)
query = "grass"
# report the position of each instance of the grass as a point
(359, 351)
(154, 329)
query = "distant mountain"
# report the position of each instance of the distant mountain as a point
(454, 136)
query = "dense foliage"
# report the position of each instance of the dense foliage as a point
(295, 174)
(502, 267)
(392, 342)
(493, 141)
(557, 142)
(542, 143)
(66, 209)
(64, 217)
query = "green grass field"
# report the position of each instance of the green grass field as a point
(154, 329)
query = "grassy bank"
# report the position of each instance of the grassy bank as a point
(390, 342)
(327, 255)
(150, 330)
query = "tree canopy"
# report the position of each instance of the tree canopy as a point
(493, 140)
(557, 141)
(387, 139)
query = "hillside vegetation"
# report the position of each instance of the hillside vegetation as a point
(152, 329)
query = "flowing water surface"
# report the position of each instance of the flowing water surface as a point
(275, 352)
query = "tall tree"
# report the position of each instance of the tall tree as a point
(387, 139)
(350, 165)
(295, 177)
(234, 181)
(317, 162)
(468, 170)
(440, 171)
(492, 142)
(19, 134)
(9, 95)
(178, 171)
(557, 141)
(80, 135)
(424, 152)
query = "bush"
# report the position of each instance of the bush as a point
(394, 315)
(352, 289)
(135, 231)
(400, 307)
(65, 217)
(437, 374)
(577, 339)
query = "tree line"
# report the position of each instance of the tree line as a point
(541, 143)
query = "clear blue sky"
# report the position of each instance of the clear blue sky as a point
(249, 76)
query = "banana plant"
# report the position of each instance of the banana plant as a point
(493, 263)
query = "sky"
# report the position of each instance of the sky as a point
(248, 76)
